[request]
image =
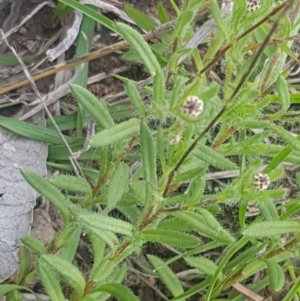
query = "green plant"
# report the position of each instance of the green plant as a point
(177, 137)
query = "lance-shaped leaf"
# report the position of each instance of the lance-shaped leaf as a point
(94, 15)
(286, 136)
(50, 192)
(6, 288)
(119, 291)
(34, 132)
(158, 87)
(148, 158)
(137, 43)
(108, 237)
(117, 184)
(204, 265)
(49, 280)
(284, 96)
(276, 275)
(216, 13)
(103, 270)
(173, 238)
(135, 97)
(25, 263)
(139, 18)
(206, 224)
(95, 107)
(162, 14)
(66, 269)
(270, 229)
(292, 291)
(211, 157)
(34, 244)
(116, 133)
(167, 276)
(71, 183)
(101, 221)
(196, 190)
(117, 276)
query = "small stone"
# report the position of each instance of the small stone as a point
(193, 106)
(23, 30)
(261, 181)
(252, 5)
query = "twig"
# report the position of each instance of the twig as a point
(248, 293)
(163, 296)
(73, 161)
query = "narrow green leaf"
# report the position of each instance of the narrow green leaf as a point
(135, 97)
(162, 14)
(276, 275)
(183, 23)
(206, 224)
(231, 250)
(189, 175)
(94, 106)
(119, 291)
(94, 15)
(34, 244)
(161, 148)
(50, 281)
(175, 224)
(50, 192)
(158, 87)
(65, 234)
(117, 276)
(34, 132)
(284, 47)
(196, 190)
(108, 237)
(98, 245)
(193, 290)
(269, 229)
(116, 133)
(101, 221)
(137, 43)
(70, 246)
(69, 272)
(216, 13)
(103, 270)
(167, 276)
(284, 96)
(268, 210)
(148, 158)
(292, 291)
(9, 60)
(211, 157)
(275, 64)
(286, 136)
(25, 263)
(173, 238)
(117, 184)
(204, 265)
(139, 18)
(6, 288)
(71, 183)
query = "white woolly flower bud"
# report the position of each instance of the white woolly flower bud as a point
(252, 5)
(261, 181)
(193, 106)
